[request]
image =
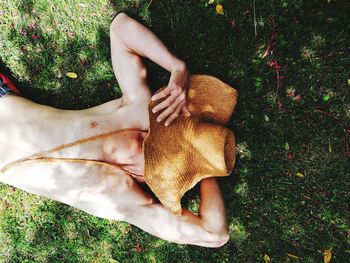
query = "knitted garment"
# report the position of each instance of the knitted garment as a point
(191, 148)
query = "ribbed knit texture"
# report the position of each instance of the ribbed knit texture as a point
(191, 148)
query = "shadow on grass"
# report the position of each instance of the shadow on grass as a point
(46, 62)
(211, 44)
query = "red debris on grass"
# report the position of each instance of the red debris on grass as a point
(32, 25)
(272, 39)
(138, 248)
(274, 64)
(35, 36)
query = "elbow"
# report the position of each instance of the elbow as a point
(120, 18)
(218, 239)
(212, 239)
(118, 21)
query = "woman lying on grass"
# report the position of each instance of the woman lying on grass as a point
(28, 128)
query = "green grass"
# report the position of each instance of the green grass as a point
(270, 209)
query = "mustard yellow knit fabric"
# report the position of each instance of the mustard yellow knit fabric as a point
(191, 148)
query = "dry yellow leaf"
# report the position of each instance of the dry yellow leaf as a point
(72, 75)
(219, 9)
(299, 175)
(267, 259)
(292, 256)
(210, 2)
(327, 255)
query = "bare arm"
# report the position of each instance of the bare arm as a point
(131, 40)
(209, 229)
(139, 40)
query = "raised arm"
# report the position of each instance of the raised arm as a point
(208, 229)
(130, 41)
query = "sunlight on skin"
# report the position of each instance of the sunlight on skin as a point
(97, 190)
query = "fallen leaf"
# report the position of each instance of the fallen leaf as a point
(327, 255)
(35, 36)
(286, 146)
(297, 98)
(233, 22)
(138, 248)
(219, 9)
(299, 175)
(72, 75)
(292, 256)
(267, 259)
(70, 34)
(32, 25)
(326, 98)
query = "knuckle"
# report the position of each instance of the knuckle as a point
(179, 99)
(167, 103)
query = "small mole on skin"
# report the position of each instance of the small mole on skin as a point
(93, 124)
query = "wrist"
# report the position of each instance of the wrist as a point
(179, 65)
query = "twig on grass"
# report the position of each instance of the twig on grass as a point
(326, 113)
(150, 2)
(347, 142)
(334, 53)
(346, 131)
(274, 64)
(272, 39)
(255, 24)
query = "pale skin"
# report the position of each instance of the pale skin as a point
(110, 195)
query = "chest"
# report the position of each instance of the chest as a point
(23, 133)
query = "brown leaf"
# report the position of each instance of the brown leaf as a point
(138, 248)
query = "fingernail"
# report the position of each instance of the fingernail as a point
(154, 111)
(152, 99)
(166, 124)
(158, 120)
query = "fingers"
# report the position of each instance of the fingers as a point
(185, 111)
(166, 103)
(165, 92)
(172, 108)
(175, 114)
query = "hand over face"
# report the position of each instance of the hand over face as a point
(174, 95)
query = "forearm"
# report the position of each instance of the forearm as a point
(141, 41)
(209, 229)
(184, 229)
(212, 207)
